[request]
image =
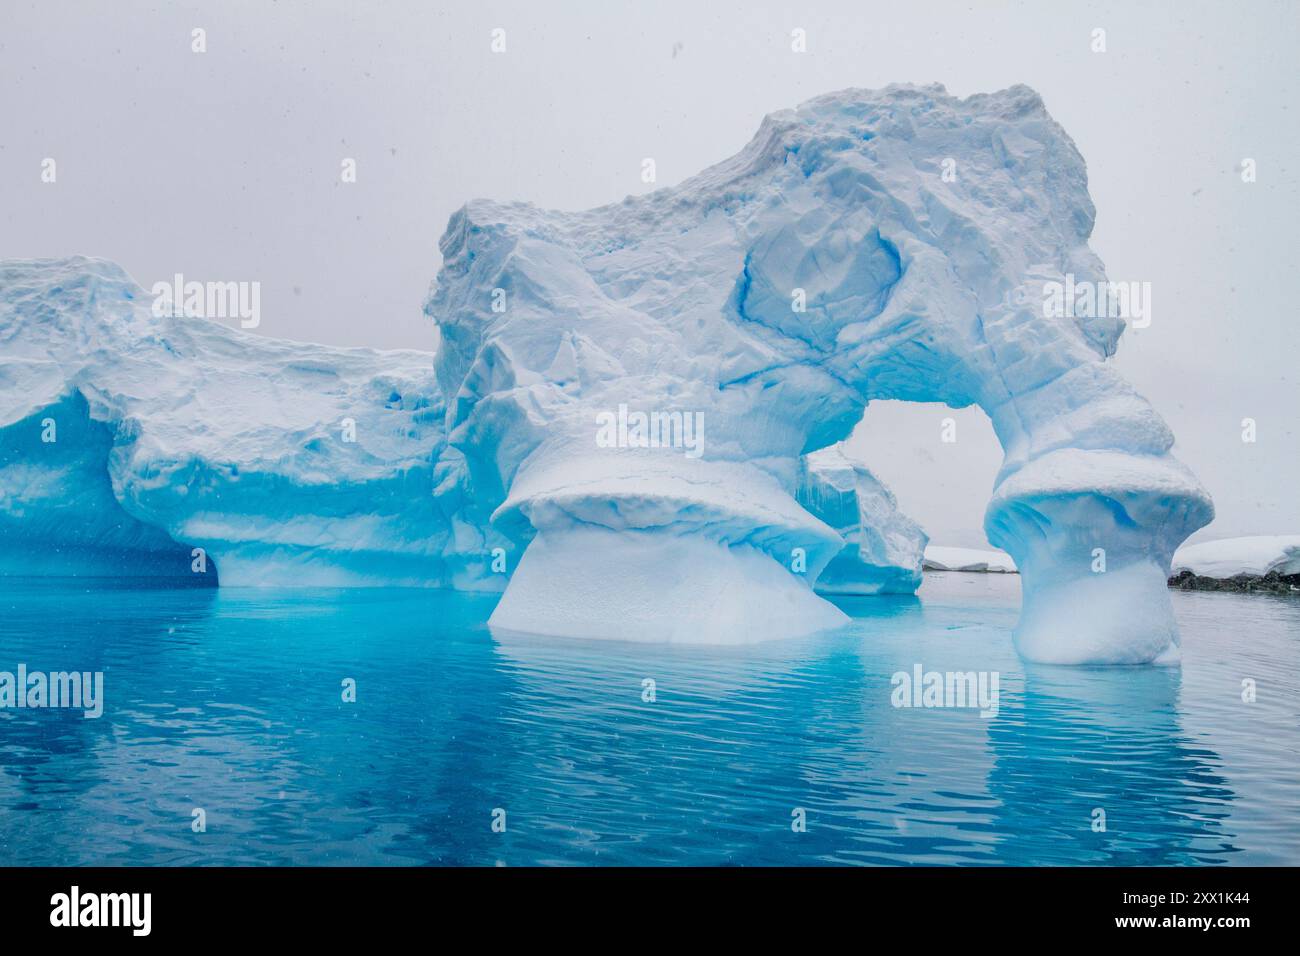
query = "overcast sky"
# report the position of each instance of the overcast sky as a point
(226, 165)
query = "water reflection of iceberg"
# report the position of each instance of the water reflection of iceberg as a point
(708, 772)
(1082, 740)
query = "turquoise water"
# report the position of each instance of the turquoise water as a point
(231, 701)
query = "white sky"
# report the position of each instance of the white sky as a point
(225, 165)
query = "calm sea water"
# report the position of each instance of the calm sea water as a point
(231, 701)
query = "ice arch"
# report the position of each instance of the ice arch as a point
(838, 258)
(940, 461)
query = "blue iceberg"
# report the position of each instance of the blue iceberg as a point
(629, 424)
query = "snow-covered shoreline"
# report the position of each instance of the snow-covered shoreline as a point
(940, 557)
(1255, 563)
(1268, 563)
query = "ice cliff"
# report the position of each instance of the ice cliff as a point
(631, 415)
(759, 306)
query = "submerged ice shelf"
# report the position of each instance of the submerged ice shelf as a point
(629, 424)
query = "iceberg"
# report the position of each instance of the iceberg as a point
(890, 244)
(133, 444)
(629, 425)
(883, 547)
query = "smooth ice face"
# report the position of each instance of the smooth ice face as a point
(590, 581)
(658, 367)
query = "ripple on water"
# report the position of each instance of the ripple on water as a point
(231, 701)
